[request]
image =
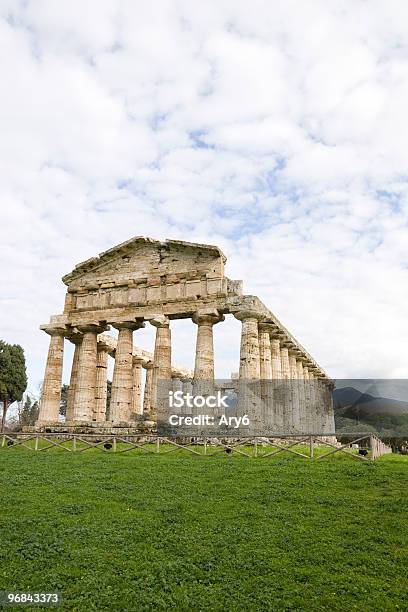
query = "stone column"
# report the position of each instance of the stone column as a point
(249, 365)
(249, 388)
(324, 403)
(177, 383)
(85, 392)
(187, 385)
(137, 385)
(285, 365)
(267, 412)
(295, 408)
(265, 359)
(330, 408)
(162, 357)
(101, 381)
(306, 383)
(148, 388)
(316, 400)
(276, 359)
(73, 379)
(51, 390)
(287, 417)
(122, 381)
(302, 398)
(204, 357)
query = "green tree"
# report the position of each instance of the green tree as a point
(13, 376)
(29, 414)
(108, 398)
(64, 399)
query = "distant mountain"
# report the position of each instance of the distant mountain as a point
(354, 409)
(347, 396)
(351, 402)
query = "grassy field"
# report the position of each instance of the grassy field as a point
(176, 532)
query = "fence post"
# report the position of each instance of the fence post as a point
(36, 442)
(255, 454)
(157, 444)
(74, 443)
(205, 446)
(114, 444)
(311, 447)
(3, 440)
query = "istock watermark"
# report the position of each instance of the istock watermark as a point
(208, 420)
(178, 399)
(283, 407)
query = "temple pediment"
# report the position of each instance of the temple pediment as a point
(146, 259)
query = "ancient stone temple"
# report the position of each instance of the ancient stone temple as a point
(147, 282)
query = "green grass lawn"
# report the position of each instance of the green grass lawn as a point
(177, 532)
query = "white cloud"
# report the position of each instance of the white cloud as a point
(276, 130)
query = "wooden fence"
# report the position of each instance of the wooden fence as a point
(369, 447)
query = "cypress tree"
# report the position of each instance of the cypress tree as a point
(13, 376)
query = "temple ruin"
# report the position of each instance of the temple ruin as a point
(145, 281)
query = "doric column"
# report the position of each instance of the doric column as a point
(286, 385)
(267, 409)
(285, 365)
(316, 403)
(330, 408)
(308, 413)
(177, 383)
(162, 356)
(122, 381)
(187, 385)
(101, 381)
(204, 357)
(276, 359)
(302, 400)
(324, 403)
(294, 391)
(148, 387)
(265, 365)
(73, 379)
(137, 385)
(51, 390)
(249, 364)
(85, 393)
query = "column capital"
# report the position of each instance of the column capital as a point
(307, 364)
(186, 379)
(137, 360)
(277, 334)
(54, 330)
(247, 313)
(98, 328)
(265, 326)
(103, 346)
(302, 358)
(207, 316)
(286, 343)
(148, 365)
(131, 324)
(159, 321)
(294, 350)
(74, 335)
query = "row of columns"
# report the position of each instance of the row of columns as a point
(264, 354)
(87, 395)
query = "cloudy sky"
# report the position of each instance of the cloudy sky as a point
(276, 130)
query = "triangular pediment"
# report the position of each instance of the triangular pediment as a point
(142, 257)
